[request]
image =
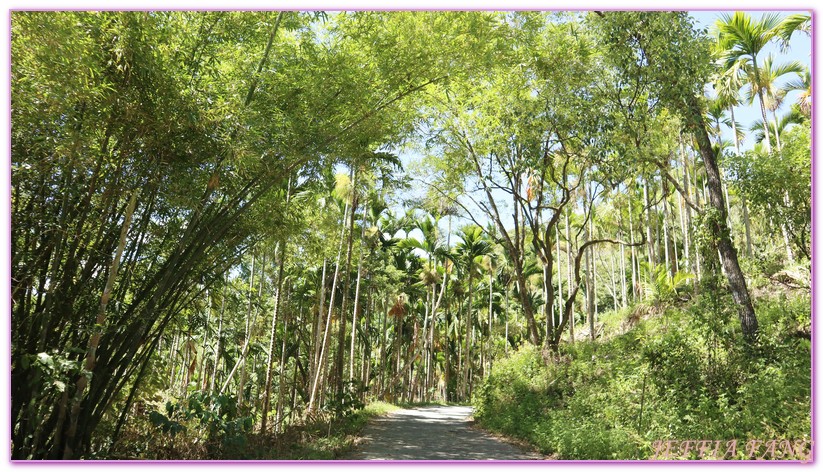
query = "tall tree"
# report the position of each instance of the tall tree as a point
(741, 37)
(471, 249)
(658, 38)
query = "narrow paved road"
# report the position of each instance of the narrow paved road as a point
(432, 433)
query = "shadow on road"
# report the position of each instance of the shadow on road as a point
(432, 433)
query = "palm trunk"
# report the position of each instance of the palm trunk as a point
(385, 369)
(589, 281)
(241, 361)
(281, 390)
(448, 351)
(202, 378)
(748, 225)
(766, 131)
(365, 365)
(649, 238)
(467, 351)
(569, 249)
(506, 315)
(776, 131)
(319, 328)
(218, 350)
(432, 328)
(559, 276)
(485, 341)
(316, 384)
(272, 333)
(341, 330)
(635, 282)
(357, 298)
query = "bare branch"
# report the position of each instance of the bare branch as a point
(674, 182)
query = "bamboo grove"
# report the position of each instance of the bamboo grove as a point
(211, 217)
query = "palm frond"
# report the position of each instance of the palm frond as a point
(785, 30)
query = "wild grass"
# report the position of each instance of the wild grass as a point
(683, 374)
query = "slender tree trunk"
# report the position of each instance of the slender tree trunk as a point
(649, 238)
(218, 350)
(398, 343)
(734, 274)
(766, 131)
(427, 303)
(460, 351)
(173, 355)
(559, 273)
(241, 388)
(341, 330)
(569, 249)
(747, 225)
(319, 328)
(385, 369)
(448, 352)
(244, 351)
(94, 341)
(357, 297)
(489, 325)
(746, 221)
(613, 277)
(623, 294)
(293, 392)
(432, 328)
(635, 281)
(681, 216)
(786, 243)
(589, 281)
(202, 376)
(281, 388)
(515, 248)
(687, 217)
(365, 365)
(272, 334)
(776, 131)
(321, 363)
(575, 286)
(669, 266)
(467, 364)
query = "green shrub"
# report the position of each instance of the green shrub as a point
(215, 415)
(689, 369)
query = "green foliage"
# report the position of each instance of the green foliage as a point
(686, 370)
(51, 371)
(223, 132)
(662, 53)
(663, 287)
(349, 402)
(779, 185)
(215, 415)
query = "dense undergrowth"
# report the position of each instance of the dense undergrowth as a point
(682, 373)
(226, 436)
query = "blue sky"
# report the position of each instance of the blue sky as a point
(800, 51)
(745, 115)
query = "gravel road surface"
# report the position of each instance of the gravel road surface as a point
(432, 433)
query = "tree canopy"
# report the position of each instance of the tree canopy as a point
(231, 227)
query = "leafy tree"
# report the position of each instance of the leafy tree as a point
(658, 40)
(766, 182)
(742, 37)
